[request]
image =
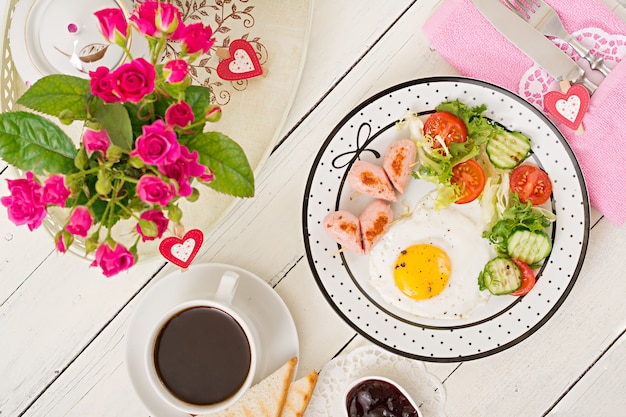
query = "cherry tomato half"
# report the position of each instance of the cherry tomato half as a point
(449, 127)
(470, 177)
(531, 183)
(528, 278)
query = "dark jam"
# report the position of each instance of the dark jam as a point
(376, 398)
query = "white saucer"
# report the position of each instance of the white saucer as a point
(42, 43)
(255, 300)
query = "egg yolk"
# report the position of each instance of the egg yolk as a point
(422, 271)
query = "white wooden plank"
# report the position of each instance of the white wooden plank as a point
(342, 31)
(322, 333)
(97, 383)
(601, 391)
(51, 318)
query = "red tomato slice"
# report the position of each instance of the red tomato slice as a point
(449, 127)
(470, 177)
(528, 278)
(531, 183)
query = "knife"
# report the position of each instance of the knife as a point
(535, 45)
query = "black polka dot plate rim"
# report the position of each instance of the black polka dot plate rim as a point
(342, 276)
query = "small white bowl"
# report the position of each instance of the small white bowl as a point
(342, 403)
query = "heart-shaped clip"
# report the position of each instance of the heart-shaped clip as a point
(568, 107)
(240, 62)
(181, 251)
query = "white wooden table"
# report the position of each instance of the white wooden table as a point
(62, 325)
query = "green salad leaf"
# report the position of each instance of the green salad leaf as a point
(517, 216)
(479, 128)
(436, 165)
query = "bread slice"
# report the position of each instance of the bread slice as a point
(265, 399)
(299, 395)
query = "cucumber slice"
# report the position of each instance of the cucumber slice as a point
(506, 149)
(500, 276)
(529, 247)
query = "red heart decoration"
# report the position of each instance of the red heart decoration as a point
(182, 251)
(242, 64)
(568, 108)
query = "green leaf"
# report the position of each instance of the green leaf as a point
(199, 98)
(225, 157)
(32, 142)
(115, 120)
(139, 117)
(58, 93)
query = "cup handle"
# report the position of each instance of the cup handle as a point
(227, 287)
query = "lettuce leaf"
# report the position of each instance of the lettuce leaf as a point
(517, 215)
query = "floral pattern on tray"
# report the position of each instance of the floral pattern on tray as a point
(230, 20)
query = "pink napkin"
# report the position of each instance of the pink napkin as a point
(476, 49)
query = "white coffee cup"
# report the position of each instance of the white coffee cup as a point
(196, 357)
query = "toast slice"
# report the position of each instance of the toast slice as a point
(299, 394)
(266, 398)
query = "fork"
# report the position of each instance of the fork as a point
(545, 19)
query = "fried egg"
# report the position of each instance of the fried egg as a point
(428, 264)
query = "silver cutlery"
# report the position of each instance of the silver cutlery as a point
(546, 20)
(533, 43)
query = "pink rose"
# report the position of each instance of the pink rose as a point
(96, 141)
(167, 18)
(80, 221)
(113, 25)
(25, 204)
(207, 175)
(195, 38)
(102, 85)
(54, 191)
(155, 19)
(213, 113)
(183, 169)
(156, 217)
(179, 114)
(175, 70)
(63, 240)
(157, 145)
(113, 260)
(60, 244)
(154, 190)
(134, 80)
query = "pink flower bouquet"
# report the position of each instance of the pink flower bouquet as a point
(144, 145)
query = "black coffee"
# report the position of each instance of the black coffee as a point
(202, 355)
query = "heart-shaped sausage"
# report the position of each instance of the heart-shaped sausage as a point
(568, 108)
(179, 251)
(345, 229)
(370, 179)
(242, 64)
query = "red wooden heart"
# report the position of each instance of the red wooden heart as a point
(242, 64)
(182, 251)
(568, 108)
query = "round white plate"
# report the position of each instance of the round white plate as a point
(254, 300)
(423, 387)
(63, 37)
(343, 277)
